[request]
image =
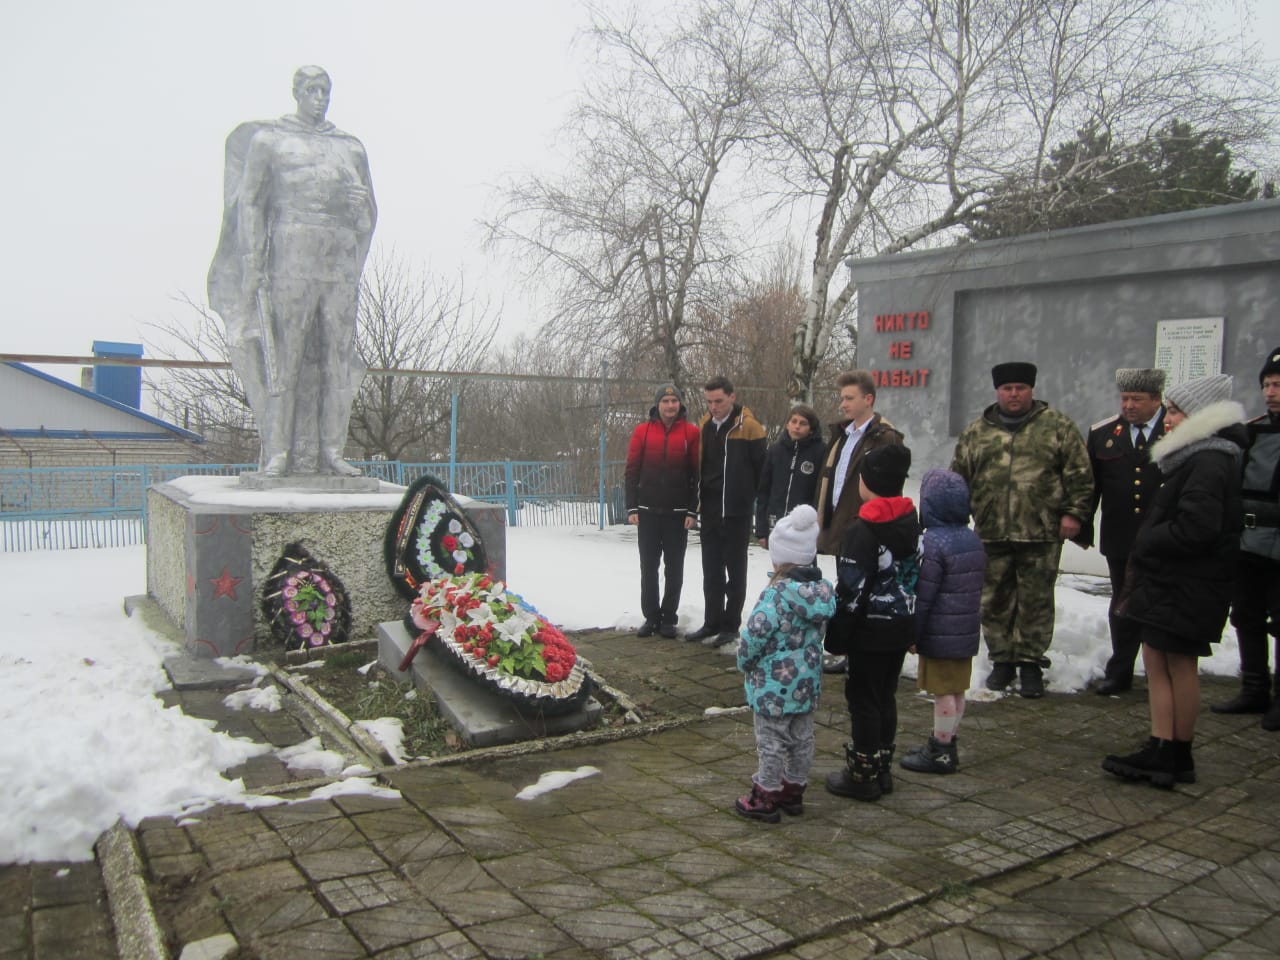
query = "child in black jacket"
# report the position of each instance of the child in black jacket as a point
(876, 570)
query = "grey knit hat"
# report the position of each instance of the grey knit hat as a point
(1197, 394)
(667, 390)
(1131, 380)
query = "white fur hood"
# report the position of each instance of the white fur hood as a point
(1199, 429)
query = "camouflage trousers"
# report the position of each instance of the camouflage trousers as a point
(1017, 600)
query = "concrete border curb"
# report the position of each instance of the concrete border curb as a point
(138, 934)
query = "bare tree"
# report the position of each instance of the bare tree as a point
(413, 321)
(898, 118)
(210, 402)
(630, 236)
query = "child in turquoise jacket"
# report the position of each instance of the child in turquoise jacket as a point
(780, 656)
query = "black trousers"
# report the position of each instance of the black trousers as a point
(871, 691)
(724, 570)
(1255, 612)
(663, 539)
(1125, 643)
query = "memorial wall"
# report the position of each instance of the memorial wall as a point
(1195, 293)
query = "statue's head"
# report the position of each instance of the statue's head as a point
(311, 86)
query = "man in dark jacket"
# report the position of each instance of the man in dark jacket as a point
(1255, 608)
(733, 449)
(859, 432)
(1124, 481)
(662, 498)
(791, 469)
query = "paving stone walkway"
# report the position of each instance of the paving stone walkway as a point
(1029, 851)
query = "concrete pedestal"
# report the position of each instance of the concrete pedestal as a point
(211, 545)
(481, 717)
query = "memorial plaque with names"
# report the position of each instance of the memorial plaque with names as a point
(1189, 349)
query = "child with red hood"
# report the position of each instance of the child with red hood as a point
(874, 625)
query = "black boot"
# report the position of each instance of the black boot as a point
(1154, 762)
(1271, 719)
(1254, 696)
(1001, 676)
(884, 770)
(858, 778)
(1184, 767)
(933, 757)
(1030, 681)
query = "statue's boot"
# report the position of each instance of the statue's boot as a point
(334, 420)
(332, 461)
(277, 466)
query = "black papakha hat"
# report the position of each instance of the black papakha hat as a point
(1271, 367)
(884, 470)
(1003, 373)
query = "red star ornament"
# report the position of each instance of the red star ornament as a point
(225, 585)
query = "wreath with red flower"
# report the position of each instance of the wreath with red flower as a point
(498, 638)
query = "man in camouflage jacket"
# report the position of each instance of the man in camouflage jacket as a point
(1032, 486)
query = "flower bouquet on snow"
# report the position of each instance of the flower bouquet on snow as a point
(479, 626)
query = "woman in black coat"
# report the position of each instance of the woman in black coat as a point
(791, 470)
(1179, 580)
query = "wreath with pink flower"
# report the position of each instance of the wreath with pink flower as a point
(304, 602)
(477, 624)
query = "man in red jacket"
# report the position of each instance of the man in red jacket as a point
(662, 501)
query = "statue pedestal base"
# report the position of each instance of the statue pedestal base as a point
(310, 483)
(481, 717)
(211, 545)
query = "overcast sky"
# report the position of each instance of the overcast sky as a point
(116, 113)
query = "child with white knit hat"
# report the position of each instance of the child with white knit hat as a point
(780, 656)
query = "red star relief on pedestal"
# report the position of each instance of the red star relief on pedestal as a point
(225, 585)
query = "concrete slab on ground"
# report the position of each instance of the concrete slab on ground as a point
(480, 717)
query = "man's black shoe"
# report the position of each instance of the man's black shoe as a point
(668, 630)
(723, 639)
(704, 631)
(647, 629)
(1110, 686)
(1001, 676)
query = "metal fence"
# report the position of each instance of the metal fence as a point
(55, 508)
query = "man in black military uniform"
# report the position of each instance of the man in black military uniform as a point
(1255, 610)
(1124, 481)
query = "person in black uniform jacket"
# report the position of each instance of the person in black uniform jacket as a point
(1255, 609)
(1124, 481)
(791, 470)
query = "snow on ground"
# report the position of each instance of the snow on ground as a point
(89, 743)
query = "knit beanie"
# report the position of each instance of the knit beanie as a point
(1271, 367)
(1130, 380)
(1197, 394)
(794, 538)
(884, 470)
(1017, 372)
(667, 390)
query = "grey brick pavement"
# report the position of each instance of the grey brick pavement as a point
(1029, 851)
